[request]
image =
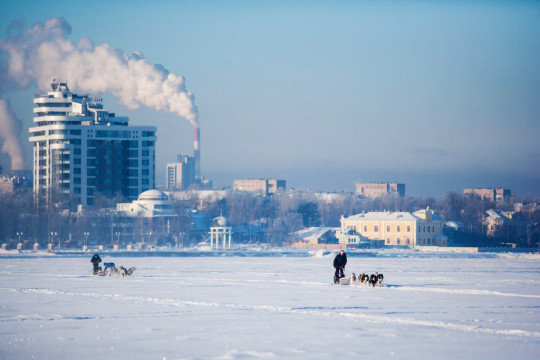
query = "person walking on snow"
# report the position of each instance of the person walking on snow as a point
(339, 264)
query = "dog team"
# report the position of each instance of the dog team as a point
(110, 268)
(367, 280)
(364, 279)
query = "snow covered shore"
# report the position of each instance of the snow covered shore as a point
(254, 251)
(444, 306)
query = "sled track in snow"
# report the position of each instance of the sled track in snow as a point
(461, 291)
(314, 311)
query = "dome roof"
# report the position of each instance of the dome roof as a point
(153, 195)
(220, 221)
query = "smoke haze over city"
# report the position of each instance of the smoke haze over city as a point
(437, 95)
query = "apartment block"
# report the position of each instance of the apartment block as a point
(181, 174)
(261, 186)
(380, 189)
(494, 195)
(80, 149)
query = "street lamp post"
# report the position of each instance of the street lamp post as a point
(149, 245)
(86, 234)
(19, 245)
(182, 236)
(117, 233)
(36, 245)
(53, 235)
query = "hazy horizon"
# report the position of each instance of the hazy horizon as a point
(437, 95)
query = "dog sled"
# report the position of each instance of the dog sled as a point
(341, 279)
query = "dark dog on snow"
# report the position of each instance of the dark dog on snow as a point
(376, 279)
(363, 279)
(373, 279)
(380, 278)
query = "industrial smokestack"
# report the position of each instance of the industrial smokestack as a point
(44, 51)
(197, 152)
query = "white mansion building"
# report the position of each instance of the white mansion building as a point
(421, 227)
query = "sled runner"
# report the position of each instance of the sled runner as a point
(341, 280)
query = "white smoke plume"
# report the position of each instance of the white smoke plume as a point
(43, 52)
(10, 131)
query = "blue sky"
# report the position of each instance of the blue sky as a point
(439, 95)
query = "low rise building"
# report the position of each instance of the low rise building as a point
(380, 189)
(494, 195)
(149, 204)
(201, 198)
(16, 180)
(348, 238)
(504, 224)
(253, 231)
(316, 238)
(264, 187)
(6, 185)
(422, 227)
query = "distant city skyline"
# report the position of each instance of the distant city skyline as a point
(439, 96)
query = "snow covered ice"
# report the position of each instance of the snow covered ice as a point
(431, 306)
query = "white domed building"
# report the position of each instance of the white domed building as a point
(220, 230)
(151, 203)
(147, 219)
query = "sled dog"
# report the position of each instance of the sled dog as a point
(353, 279)
(127, 272)
(380, 278)
(363, 279)
(373, 280)
(112, 271)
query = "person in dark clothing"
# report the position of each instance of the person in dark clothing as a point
(95, 261)
(339, 264)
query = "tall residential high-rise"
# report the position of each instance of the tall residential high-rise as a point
(181, 174)
(81, 150)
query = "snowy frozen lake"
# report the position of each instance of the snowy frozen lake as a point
(431, 306)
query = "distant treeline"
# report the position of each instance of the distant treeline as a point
(276, 217)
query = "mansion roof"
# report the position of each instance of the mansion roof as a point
(391, 216)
